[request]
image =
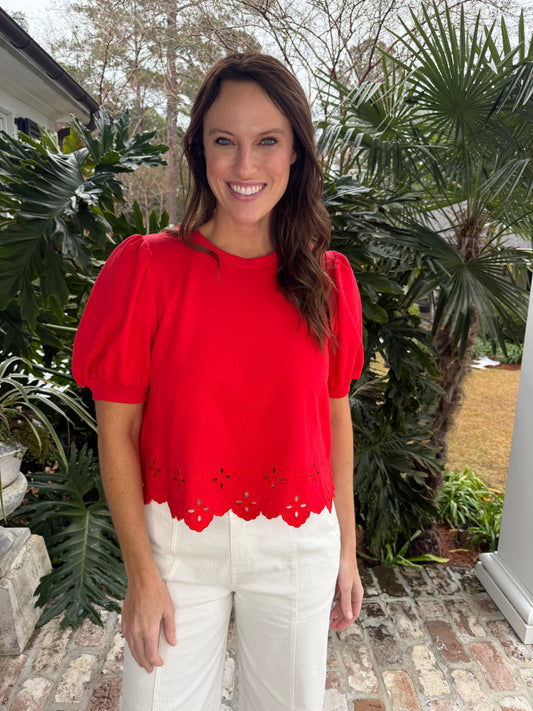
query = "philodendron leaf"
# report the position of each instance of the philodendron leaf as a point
(71, 513)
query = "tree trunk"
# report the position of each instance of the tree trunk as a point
(172, 114)
(453, 368)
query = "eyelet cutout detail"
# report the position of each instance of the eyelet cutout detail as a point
(197, 497)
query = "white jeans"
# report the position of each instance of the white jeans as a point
(282, 580)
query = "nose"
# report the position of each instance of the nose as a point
(245, 161)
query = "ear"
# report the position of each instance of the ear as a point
(294, 156)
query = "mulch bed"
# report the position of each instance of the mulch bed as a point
(506, 366)
(457, 551)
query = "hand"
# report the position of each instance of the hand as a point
(348, 595)
(148, 605)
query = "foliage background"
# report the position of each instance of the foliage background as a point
(425, 129)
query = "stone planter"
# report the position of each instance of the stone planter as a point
(14, 486)
(23, 560)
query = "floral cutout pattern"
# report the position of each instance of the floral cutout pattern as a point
(197, 498)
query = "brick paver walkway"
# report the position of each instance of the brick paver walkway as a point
(427, 640)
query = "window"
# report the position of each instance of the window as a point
(6, 121)
(27, 126)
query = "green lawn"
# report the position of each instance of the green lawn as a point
(481, 437)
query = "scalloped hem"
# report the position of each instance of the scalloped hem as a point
(199, 518)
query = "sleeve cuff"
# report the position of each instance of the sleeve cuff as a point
(130, 395)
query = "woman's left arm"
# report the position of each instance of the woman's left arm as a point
(349, 591)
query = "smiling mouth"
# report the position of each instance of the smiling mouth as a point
(246, 189)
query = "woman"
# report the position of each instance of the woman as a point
(220, 356)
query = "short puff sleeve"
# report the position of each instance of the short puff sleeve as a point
(346, 355)
(112, 346)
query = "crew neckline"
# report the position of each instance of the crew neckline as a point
(232, 259)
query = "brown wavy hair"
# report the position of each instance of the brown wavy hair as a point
(299, 224)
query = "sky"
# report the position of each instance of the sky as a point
(45, 18)
(41, 16)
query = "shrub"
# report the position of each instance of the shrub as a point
(466, 499)
(511, 354)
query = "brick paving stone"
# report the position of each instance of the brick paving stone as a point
(446, 642)
(401, 691)
(115, 657)
(228, 680)
(372, 614)
(368, 705)
(430, 677)
(89, 634)
(442, 705)
(418, 581)
(10, 669)
(368, 582)
(388, 580)
(515, 703)
(470, 691)
(442, 579)
(333, 680)
(71, 688)
(487, 606)
(335, 700)
(497, 675)
(405, 619)
(513, 647)
(361, 676)
(106, 695)
(527, 677)
(232, 634)
(469, 580)
(353, 633)
(32, 696)
(430, 608)
(333, 660)
(52, 649)
(386, 651)
(465, 617)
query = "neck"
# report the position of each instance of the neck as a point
(242, 241)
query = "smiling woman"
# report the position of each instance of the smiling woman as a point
(248, 148)
(220, 355)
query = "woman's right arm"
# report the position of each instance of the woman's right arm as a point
(148, 604)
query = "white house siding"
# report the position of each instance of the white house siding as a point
(27, 91)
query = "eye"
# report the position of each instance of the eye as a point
(269, 141)
(222, 141)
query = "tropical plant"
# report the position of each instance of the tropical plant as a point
(30, 400)
(27, 404)
(461, 497)
(58, 219)
(393, 556)
(67, 507)
(486, 528)
(472, 109)
(446, 138)
(465, 500)
(511, 353)
(393, 400)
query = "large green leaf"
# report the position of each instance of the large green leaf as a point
(70, 511)
(55, 208)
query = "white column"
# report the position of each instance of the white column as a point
(507, 574)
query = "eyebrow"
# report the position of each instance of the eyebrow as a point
(279, 131)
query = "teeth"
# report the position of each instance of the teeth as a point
(246, 189)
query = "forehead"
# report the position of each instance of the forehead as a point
(244, 103)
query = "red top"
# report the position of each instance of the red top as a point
(236, 392)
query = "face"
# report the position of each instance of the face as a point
(248, 147)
